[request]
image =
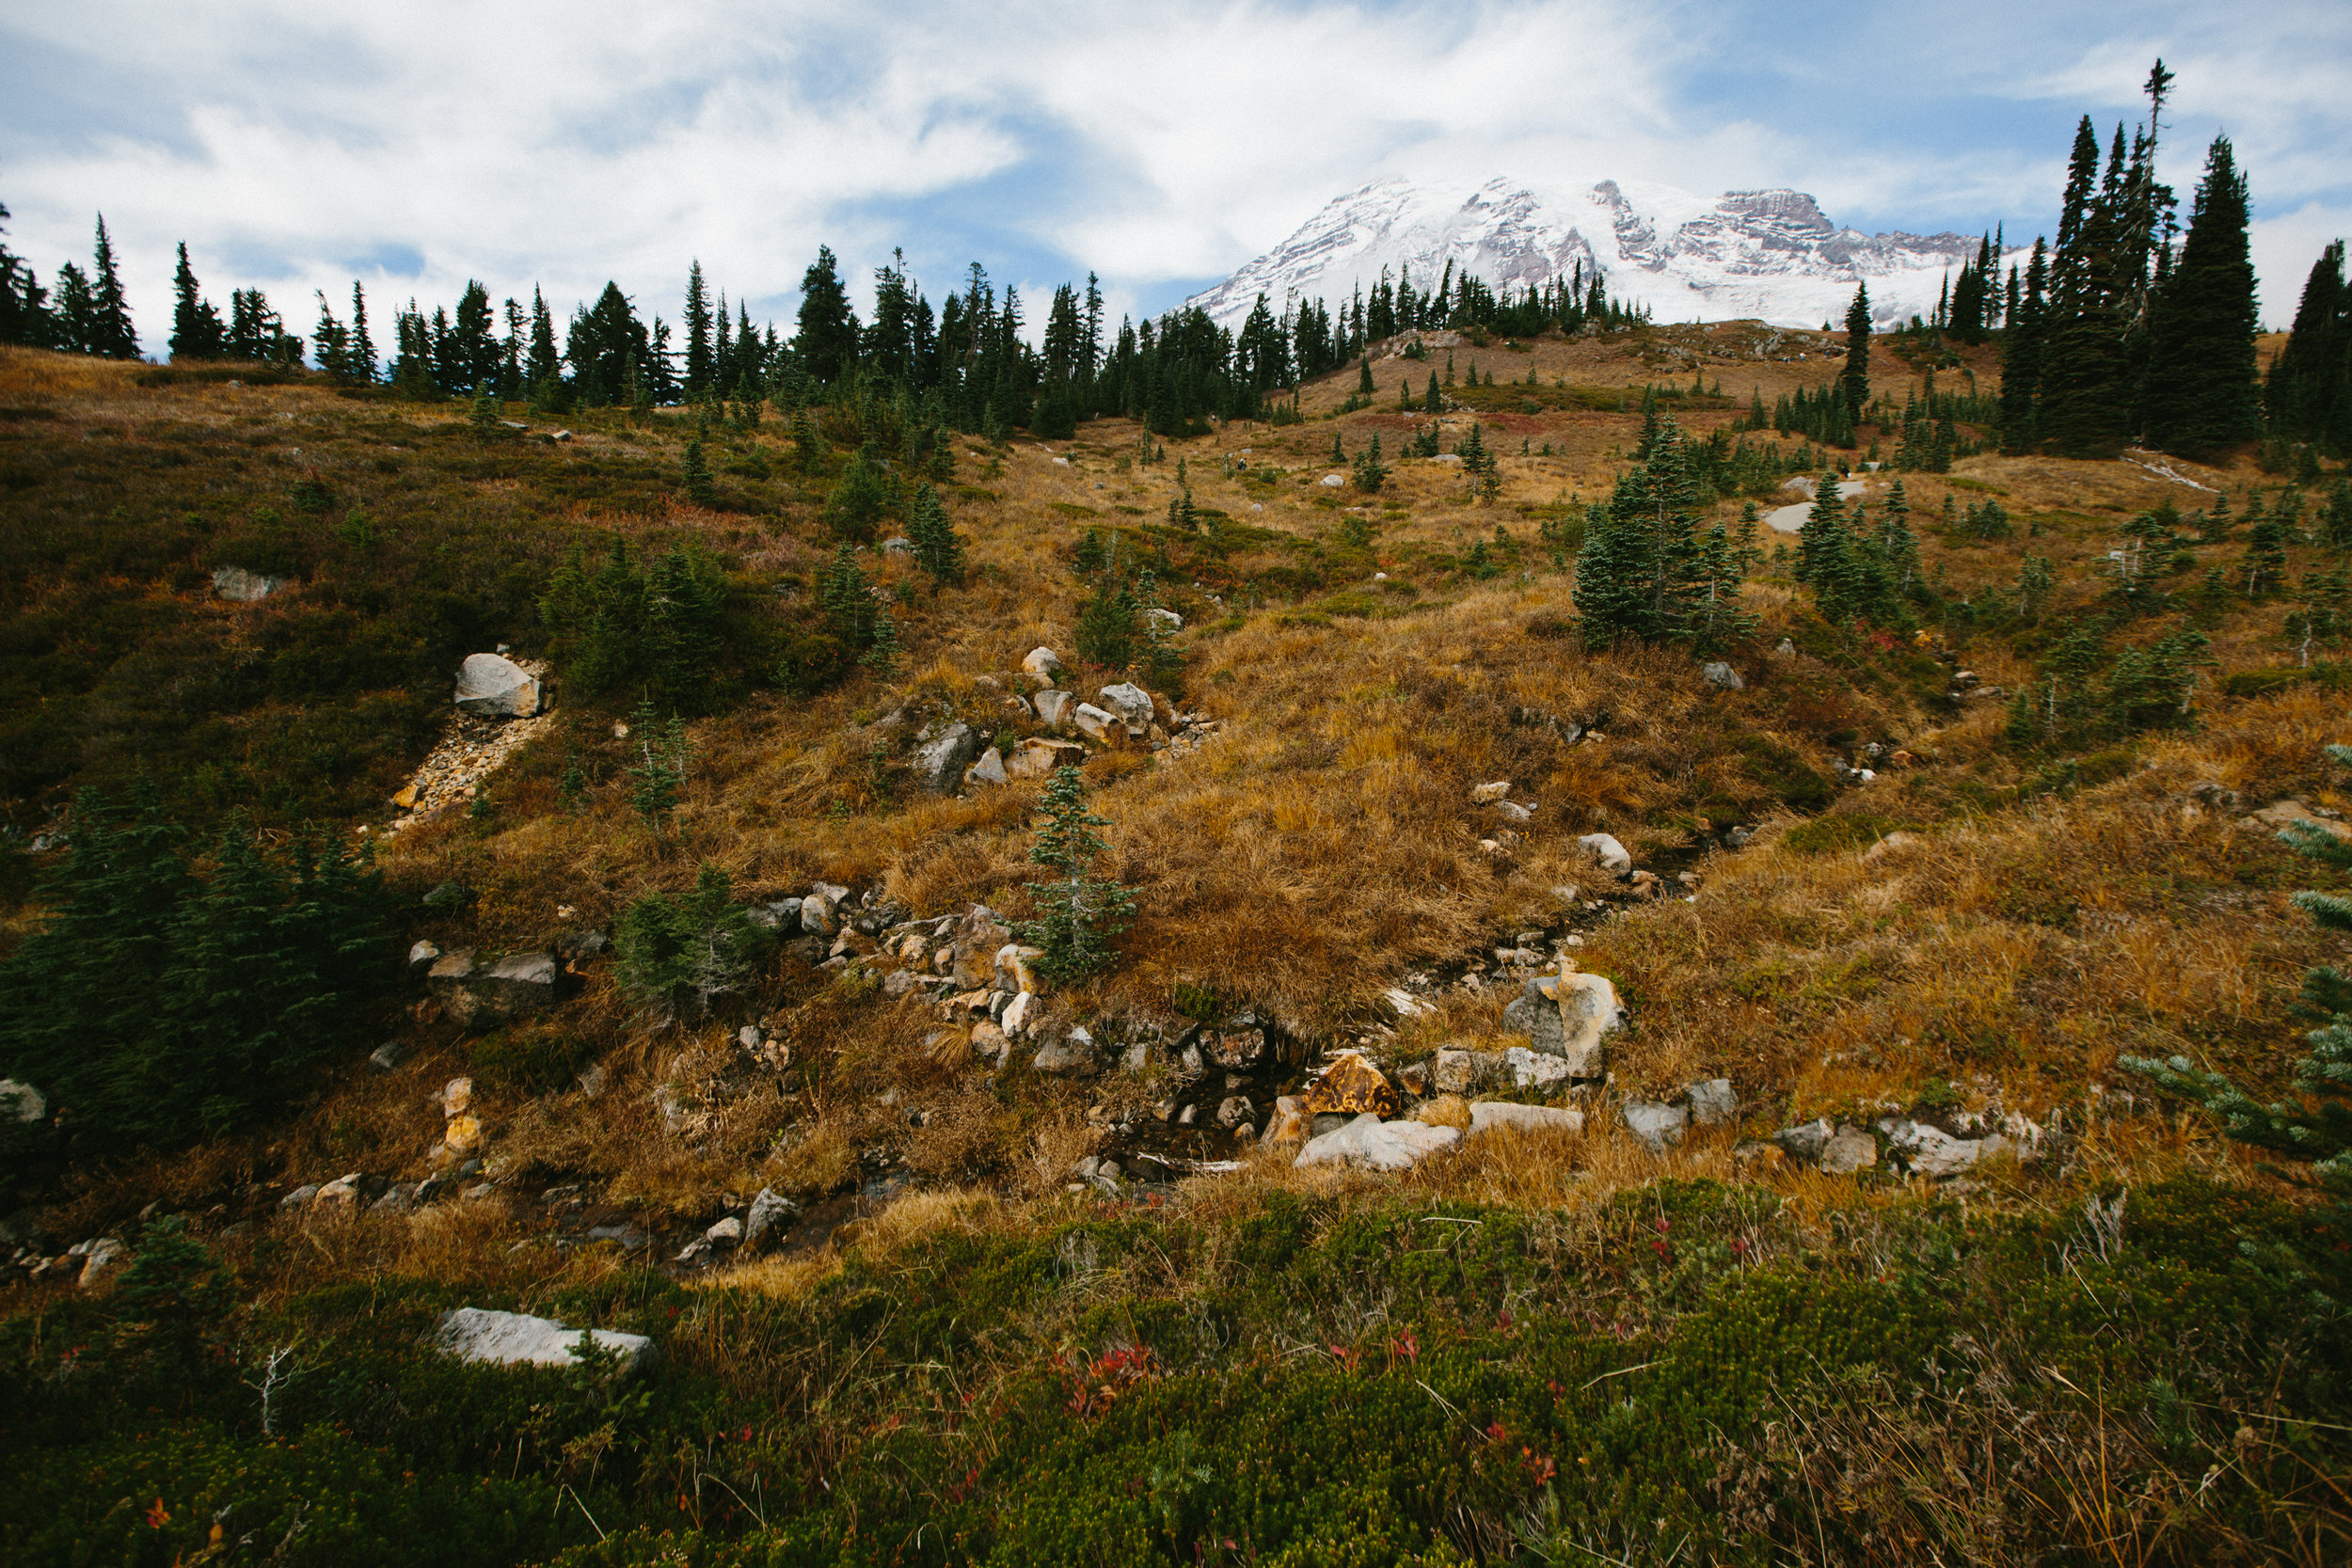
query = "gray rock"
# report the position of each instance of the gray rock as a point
(20, 1102)
(301, 1197)
(1567, 1016)
(386, 1056)
(1806, 1142)
(1454, 1070)
(1925, 1151)
(482, 997)
(1848, 1149)
(239, 586)
(1655, 1124)
(1166, 620)
(939, 763)
(727, 1233)
(1536, 1069)
(421, 957)
(1043, 663)
(1053, 707)
(897, 544)
(1098, 724)
(771, 1214)
(490, 687)
(1234, 1110)
(1723, 677)
(1606, 849)
(1130, 702)
(398, 1199)
(1375, 1144)
(105, 1256)
(817, 916)
(1511, 811)
(1712, 1103)
(1488, 1115)
(517, 1340)
(1072, 1054)
(990, 770)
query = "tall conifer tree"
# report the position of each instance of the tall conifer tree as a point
(111, 333)
(2204, 393)
(1855, 377)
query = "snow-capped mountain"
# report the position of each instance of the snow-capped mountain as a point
(1767, 253)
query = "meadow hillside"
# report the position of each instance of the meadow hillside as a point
(937, 1275)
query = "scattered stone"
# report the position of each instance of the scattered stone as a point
(1243, 1050)
(105, 1256)
(1849, 1150)
(817, 915)
(1095, 724)
(1534, 1070)
(517, 1340)
(1487, 794)
(490, 687)
(398, 1199)
(1712, 1103)
(1723, 677)
(239, 586)
(1071, 1054)
(989, 1043)
(384, 1058)
(301, 1197)
(1130, 702)
(1892, 842)
(939, 764)
(1656, 1125)
(1606, 849)
(421, 957)
(771, 1213)
(1039, 756)
(1166, 620)
(990, 770)
(1289, 1120)
(22, 1103)
(1018, 1014)
(1333, 482)
(1054, 707)
(482, 997)
(1351, 1086)
(1805, 1142)
(1783, 649)
(1487, 1115)
(1368, 1142)
(1043, 663)
(1511, 811)
(1454, 1070)
(1016, 968)
(1406, 1005)
(1927, 1150)
(2281, 813)
(462, 1135)
(897, 544)
(726, 1233)
(1235, 1109)
(339, 1197)
(1567, 1016)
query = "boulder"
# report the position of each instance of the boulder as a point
(1487, 1115)
(1511, 811)
(1711, 1102)
(990, 1045)
(462, 1135)
(1019, 1014)
(990, 770)
(1806, 1142)
(980, 937)
(1071, 1054)
(816, 916)
(1925, 1151)
(1234, 1110)
(1375, 1144)
(1165, 619)
(1043, 663)
(1487, 794)
(480, 996)
(492, 686)
(1289, 1120)
(1848, 1149)
(517, 1340)
(1606, 849)
(1656, 1125)
(1038, 756)
(239, 586)
(1096, 724)
(1243, 1050)
(339, 1197)
(22, 1103)
(1351, 1086)
(939, 763)
(1723, 677)
(421, 957)
(1016, 968)
(771, 1214)
(1130, 702)
(1454, 1070)
(105, 1255)
(1053, 707)
(1333, 482)
(1567, 1016)
(725, 1232)
(1533, 1070)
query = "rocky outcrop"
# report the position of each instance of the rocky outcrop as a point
(516, 1339)
(483, 997)
(493, 686)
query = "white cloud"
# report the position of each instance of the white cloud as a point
(565, 144)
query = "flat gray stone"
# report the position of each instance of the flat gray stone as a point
(1723, 677)
(1375, 1145)
(1605, 849)
(1712, 1103)
(517, 1340)
(1131, 702)
(771, 1214)
(1656, 1125)
(1805, 1142)
(1848, 1149)
(1536, 1069)
(939, 763)
(1487, 1115)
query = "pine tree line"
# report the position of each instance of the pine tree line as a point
(87, 314)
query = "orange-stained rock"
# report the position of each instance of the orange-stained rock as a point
(1350, 1086)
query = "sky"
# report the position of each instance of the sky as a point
(298, 146)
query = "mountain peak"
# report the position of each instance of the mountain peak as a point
(1769, 253)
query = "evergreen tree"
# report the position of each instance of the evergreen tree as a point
(2084, 407)
(677, 956)
(860, 498)
(2020, 357)
(1105, 632)
(24, 315)
(683, 600)
(938, 548)
(827, 340)
(543, 368)
(111, 335)
(696, 475)
(2204, 393)
(1855, 378)
(1639, 572)
(1078, 912)
(883, 656)
(196, 327)
(1826, 519)
(2308, 397)
(847, 598)
(699, 363)
(485, 408)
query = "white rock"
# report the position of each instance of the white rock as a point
(990, 770)
(1166, 620)
(1018, 1014)
(1807, 1141)
(1511, 811)
(1606, 849)
(1333, 482)
(1536, 1069)
(1488, 1115)
(1655, 1124)
(21, 1101)
(1043, 663)
(1129, 701)
(727, 1232)
(239, 586)
(1098, 725)
(1052, 708)
(1712, 1102)
(1849, 1150)
(771, 1212)
(517, 1340)
(817, 915)
(1405, 1003)
(1722, 675)
(1487, 794)
(105, 1256)
(1932, 1151)
(490, 687)
(1377, 1145)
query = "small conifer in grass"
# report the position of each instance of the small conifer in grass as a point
(1435, 401)
(808, 447)
(697, 475)
(847, 598)
(938, 548)
(860, 498)
(657, 781)
(677, 954)
(1106, 633)
(1089, 555)
(486, 411)
(2265, 568)
(1078, 914)
(1363, 380)
(882, 655)
(1371, 473)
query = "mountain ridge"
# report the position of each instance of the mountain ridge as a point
(1769, 253)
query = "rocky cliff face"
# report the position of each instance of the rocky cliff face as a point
(1771, 254)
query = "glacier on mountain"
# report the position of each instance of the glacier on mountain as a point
(1769, 254)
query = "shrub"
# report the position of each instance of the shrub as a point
(1079, 912)
(677, 956)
